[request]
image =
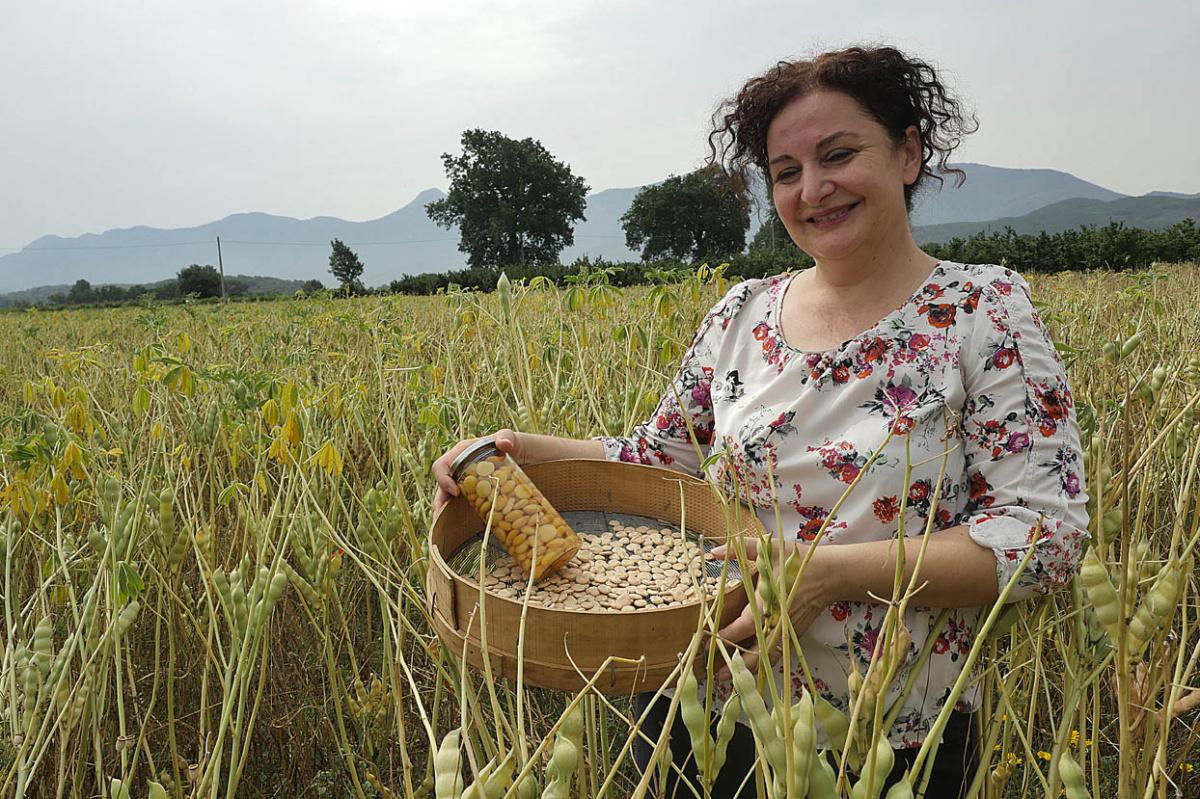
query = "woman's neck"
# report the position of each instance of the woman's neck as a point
(870, 272)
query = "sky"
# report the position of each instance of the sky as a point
(170, 114)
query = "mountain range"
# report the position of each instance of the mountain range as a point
(406, 242)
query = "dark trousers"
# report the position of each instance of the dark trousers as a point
(953, 767)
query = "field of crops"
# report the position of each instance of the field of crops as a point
(213, 524)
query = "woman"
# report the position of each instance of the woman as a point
(799, 378)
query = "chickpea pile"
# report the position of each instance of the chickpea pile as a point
(623, 569)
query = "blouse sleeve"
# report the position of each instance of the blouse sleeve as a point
(664, 439)
(1023, 461)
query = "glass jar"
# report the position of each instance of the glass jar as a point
(523, 520)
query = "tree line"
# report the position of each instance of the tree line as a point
(199, 281)
(515, 206)
(1113, 247)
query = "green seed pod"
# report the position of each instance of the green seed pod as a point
(127, 616)
(833, 722)
(761, 721)
(767, 587)
(903, 789)
(1072, 776)
(725, 729)
(157, 791)
(1142, 391)
(1113, 522)
(1100, 592)
(447, 767)
(1156, 609)
(1157, 378)
(111, 490)
(694, 717)
(1112, 352)
(1138, 632)
(572, 725)
(494, 780)
(278, 583)
(178, 550)
(1164, 594)
(564, 758)
(804, 743)
(872, 779)
(1131, 344)
(241, 612)
(221, 582)
(97, 541)
(527, 787)
(33, 679)
(43, 645)
(117, 789)
(822, 779)
(1144, 559)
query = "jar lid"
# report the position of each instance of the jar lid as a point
(481, 449)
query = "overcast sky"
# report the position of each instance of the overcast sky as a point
(169, 114)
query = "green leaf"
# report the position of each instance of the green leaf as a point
(229, 491)
(129, 583)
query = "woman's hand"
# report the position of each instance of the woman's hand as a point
(507, 441)
(814, 594)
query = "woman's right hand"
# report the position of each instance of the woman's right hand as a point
(507, 441)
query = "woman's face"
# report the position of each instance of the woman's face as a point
(826, 154)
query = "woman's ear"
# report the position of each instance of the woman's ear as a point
(912, 155)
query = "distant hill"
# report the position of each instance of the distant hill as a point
(992, 192)
(1151, 211)
(406, 242)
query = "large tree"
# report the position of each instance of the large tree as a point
(700, 216)
(512, 200)
(773, 236)
(345, 266)
(203, 281)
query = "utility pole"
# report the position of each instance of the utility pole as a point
(221, 265)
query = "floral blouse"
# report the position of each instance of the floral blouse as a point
(965, 365)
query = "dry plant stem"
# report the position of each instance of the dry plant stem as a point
(939, 725)
(1127, 593)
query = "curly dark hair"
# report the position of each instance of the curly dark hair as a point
(896, 89)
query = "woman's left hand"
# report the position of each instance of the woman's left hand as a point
(813, 596)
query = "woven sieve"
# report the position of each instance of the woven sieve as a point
(465, 560)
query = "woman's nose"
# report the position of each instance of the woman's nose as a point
(814, 187)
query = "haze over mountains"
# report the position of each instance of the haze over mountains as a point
(406, 242)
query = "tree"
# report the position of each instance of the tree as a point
(700, 216)
(772, 236)
(203, 281)
(312, 286)
(82, 292)
(513, 202)
(345, 266)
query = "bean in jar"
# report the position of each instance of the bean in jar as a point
(523, 520)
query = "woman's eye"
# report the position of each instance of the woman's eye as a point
(839, 155)
(785, 174)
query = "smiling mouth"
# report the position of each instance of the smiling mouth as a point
(835, 215)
